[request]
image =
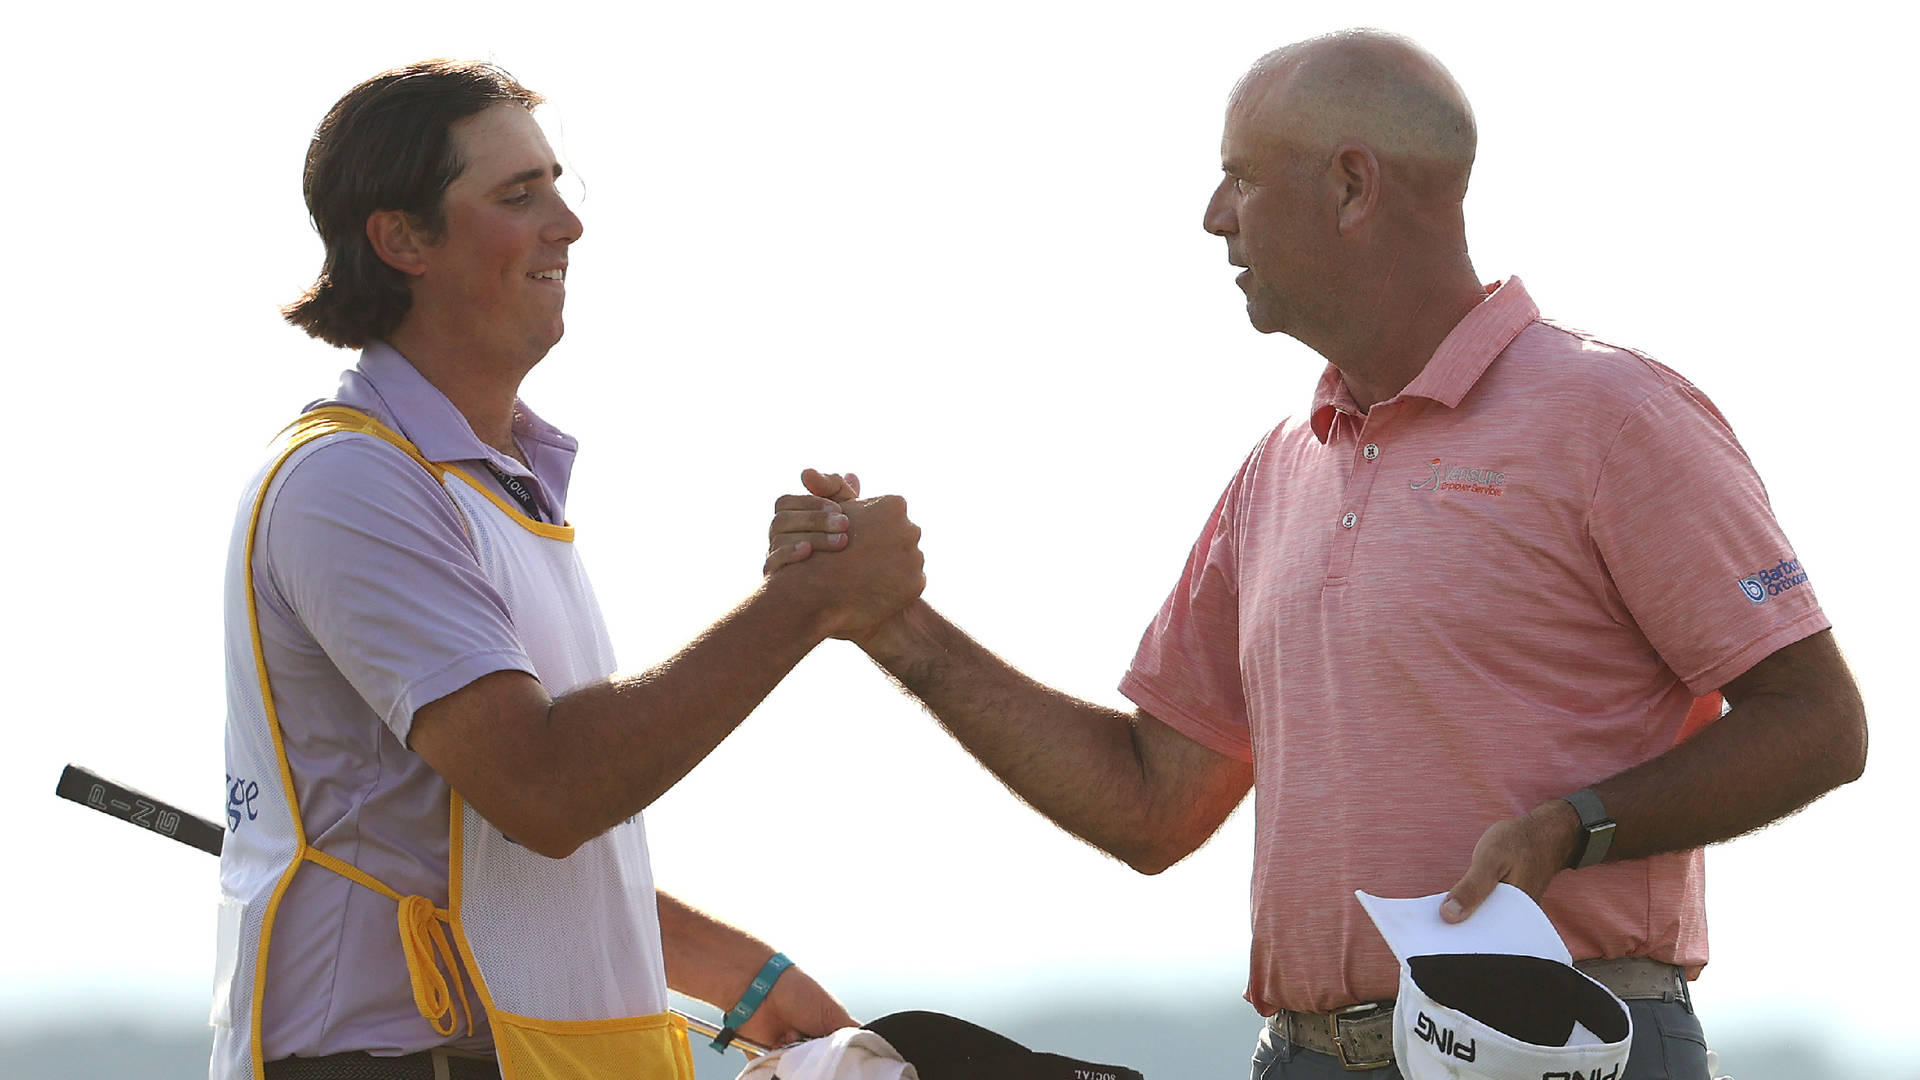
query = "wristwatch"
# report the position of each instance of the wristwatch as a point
(1596, 829)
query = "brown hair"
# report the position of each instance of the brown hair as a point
(386, 145)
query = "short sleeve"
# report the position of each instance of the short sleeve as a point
(1186, 672)
(1690, 543)
(364, 550)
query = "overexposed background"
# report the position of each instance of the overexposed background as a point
(957, 248)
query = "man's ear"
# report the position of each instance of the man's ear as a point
(397, 241)
(1355, 174)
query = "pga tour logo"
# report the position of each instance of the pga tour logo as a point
(1773, 580)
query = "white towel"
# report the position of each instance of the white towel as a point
(848, 1054)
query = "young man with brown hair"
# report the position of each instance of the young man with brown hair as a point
(435, 862)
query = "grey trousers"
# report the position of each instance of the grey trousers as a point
(1667, 1045)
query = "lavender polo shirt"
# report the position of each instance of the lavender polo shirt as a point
(372, 604)
(1506, 583)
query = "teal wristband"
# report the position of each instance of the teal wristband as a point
(770, 973)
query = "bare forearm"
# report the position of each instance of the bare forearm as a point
(1776, 750)
(1098, 773)
(1796, 731)
(634, 736)
(707, 959)
(715, 963)
(553, 773)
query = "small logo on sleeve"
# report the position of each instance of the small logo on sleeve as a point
(1444, 477)
(1761, 585)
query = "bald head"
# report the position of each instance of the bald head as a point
(1368, 87)
(1344, 165)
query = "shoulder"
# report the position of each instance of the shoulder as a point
(350, 485)
(1272, 455)
(1287, 447)
(1585, 383)
(344, 463)
(1553, 350)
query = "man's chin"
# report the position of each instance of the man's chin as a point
(1262, 321)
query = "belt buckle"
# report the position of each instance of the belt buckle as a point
(1351, 1013)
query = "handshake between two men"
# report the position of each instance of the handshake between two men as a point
(873, 585)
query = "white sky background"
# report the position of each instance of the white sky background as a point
(958, 249)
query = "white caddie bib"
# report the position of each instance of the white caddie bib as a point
(564, 953)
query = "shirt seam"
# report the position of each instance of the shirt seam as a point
(404, 700)
(352, 846)
(1135, 687)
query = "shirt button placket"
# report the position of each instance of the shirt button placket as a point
(1371, 451)
(1359, 488)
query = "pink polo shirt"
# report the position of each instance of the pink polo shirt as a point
(1504, 584)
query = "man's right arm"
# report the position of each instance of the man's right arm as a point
(1128, 784)
(554, 772)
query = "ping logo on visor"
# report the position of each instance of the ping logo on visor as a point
(1496, 997)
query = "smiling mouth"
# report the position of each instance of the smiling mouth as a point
(559, 274)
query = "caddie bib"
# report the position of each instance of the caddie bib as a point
(564, 954)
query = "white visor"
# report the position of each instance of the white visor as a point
(1496, 997)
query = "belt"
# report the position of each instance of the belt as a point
(439, 1064)
(1361, 1036)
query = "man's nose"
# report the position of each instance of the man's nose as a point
(565, 227)
(1221, 219)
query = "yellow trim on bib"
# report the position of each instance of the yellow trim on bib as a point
(298, 439)
(308, 427)
(340, 420)
(537, 528)
(528, 1048)
(353, 420)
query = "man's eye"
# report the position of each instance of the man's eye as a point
(1240, 185)
(521, 199)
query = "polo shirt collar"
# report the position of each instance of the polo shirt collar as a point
(418, 410)
(1466, 353)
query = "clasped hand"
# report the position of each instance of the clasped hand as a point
(877, 568)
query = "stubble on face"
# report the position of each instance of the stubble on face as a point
(490, 287)
(1270, 184)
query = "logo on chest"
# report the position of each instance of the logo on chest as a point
(1448, 478)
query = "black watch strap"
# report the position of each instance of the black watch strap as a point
(1596, 829)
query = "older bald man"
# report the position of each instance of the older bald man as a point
(1449, 622)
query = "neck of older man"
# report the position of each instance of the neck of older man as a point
(1394, 312)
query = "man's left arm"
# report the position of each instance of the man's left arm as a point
(1681, 519)
(1796, 730)
(708, 960)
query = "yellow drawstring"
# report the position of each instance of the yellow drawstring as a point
(420, 938)
(420, 926)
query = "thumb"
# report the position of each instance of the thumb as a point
(831, 485)
(1470, 891)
